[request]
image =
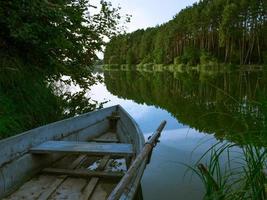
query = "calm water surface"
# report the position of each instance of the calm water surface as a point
(201, 109)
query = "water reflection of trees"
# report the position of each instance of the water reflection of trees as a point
(230, 105)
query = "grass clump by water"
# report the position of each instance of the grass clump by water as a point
(229, 172)
(26, 99)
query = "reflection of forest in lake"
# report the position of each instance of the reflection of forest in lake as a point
(232, 105)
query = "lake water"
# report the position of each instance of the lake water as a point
(201, 108)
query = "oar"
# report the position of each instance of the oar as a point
(144, 155)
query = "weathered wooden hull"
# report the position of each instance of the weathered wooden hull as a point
(18, 164)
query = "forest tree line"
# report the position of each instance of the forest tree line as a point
(232, 31)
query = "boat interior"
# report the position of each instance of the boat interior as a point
(82, 169)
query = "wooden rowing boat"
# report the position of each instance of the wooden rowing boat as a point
(97, 155)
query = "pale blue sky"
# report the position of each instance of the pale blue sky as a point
(148, 13)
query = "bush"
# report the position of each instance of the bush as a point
(177, 60)
(190, 57)
(207, 59)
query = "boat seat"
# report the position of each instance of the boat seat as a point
(91, 148)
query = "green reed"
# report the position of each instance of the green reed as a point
(230, 172)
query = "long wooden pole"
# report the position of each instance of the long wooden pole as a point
(147, 149)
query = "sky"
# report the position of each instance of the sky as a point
(149, 13)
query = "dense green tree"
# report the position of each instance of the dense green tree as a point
(40, 41)
(58, 37)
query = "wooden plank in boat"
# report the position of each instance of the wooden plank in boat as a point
(70, 189)
(33, 188)
(41, 187)
(90, 187)
(103, 189)
(107, 137)
(82, 173)
(53, 187)
(119, 149)
(103, 163)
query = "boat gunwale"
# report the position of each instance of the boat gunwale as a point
(131, 190)
(55, 123)
(41, 130)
